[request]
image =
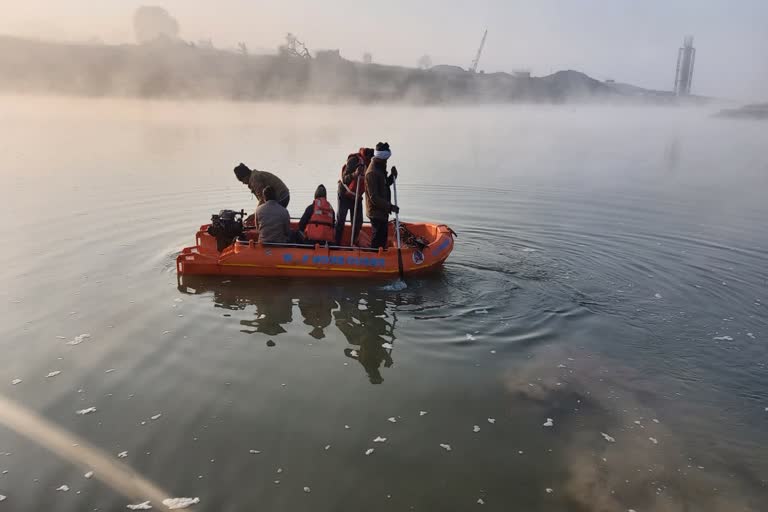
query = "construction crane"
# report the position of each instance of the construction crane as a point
(475, 62)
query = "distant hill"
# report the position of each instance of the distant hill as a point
(754, 111)
(172, 69)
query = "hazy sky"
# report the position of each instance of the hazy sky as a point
(631, 41)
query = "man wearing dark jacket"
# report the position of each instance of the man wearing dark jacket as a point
(257, 181)
(378, 203)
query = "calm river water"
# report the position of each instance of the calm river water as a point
(598, 340)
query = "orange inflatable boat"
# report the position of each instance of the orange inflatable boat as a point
(424, 247)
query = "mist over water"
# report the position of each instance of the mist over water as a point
(609, 275)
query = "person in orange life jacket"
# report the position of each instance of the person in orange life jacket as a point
(318, 220)
(352, 179)
(378, 203)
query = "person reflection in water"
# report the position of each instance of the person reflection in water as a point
(367, 328)
(316, 311)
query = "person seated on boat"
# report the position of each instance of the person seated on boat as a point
(318, 222)
(351, 188)
(273, 221)
(378, 202)
(257, 181)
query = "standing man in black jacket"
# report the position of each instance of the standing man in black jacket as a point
(378, 202)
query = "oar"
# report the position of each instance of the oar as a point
(354, 214)
(397, 231)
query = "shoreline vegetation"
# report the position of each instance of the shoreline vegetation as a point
(165, 69)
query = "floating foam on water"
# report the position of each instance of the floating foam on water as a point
(110, 370)
(61, 337)
(307, 489)
(607, 437)
(63, 488)
(480, 501)
(529, 249)
(369, 451)
(392, 419)
(548, 423)
(723, 338)
(653, 440)
(83, 412)
(178, 300)
(2, 498)
(481, 312)
(140, 506)
(380, 439)
(423, 413)
(53, 374)
(346, 427)
(470, 337)
(156, 416)
(16, 381)
(561, 366)
(78, 339)
(658, 295)
(655, 420)
(327, 447)
(88, 474)
(446, 447)
(476, 428)
(176, 503)
(386, 345)
(751, 335)
(122, 455)
(491, 420)
(254, 452)
(396, 286)
(549, 490)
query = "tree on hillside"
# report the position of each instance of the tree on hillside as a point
(151, 23)
(367, 58)
(425, 62)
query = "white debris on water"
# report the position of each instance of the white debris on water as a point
(549, 490)
(470, 337)
(480, 501)
(327, 447)
(140, 506)
(491, 420)
(83, 412)
(16, 381)
(392, 419)
(254, 452)
(279, 470)
(723, 338)
(655, 420)
(110, 370)
(658, 295)
(61, 337)
(751, 335)
(548, 423)
(307, 489)
(166, 332)
(156, 416)
(653, 440)
(445, 447)
(422, 413)
(380, 439)
(481, 312)
(178, 300)
(387, 346)
(2, 498)
(369, 451)
(63, 488)
(53, 374)
(353, 353)
(122, 455)
(176, 503)
(88, 474)
(607, 437)
(476, 429)
(493, 351)
(78, 339)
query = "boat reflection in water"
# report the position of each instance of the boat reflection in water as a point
(359, 313)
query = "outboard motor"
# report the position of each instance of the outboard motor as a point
(226, 227)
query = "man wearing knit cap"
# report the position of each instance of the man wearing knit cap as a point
(257, 181)
(378, 202)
